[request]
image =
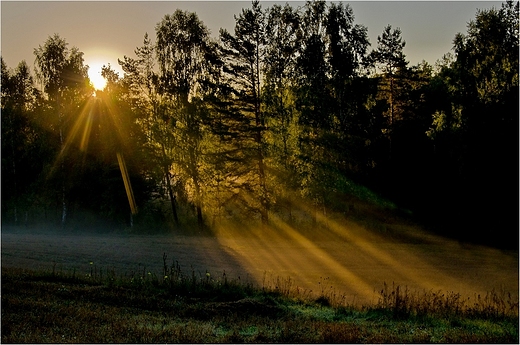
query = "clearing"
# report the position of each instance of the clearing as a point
(342, 260)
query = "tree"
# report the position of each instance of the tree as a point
(313, 97)
(390, 58)
(279, 70)
(278, 101)
(478, 122)
(66, 84)
(244, 58)
(346, 52)
(152, 109)
(313, 102)
(187, 61)
(346, 55)
(331, 96)
(20, 141)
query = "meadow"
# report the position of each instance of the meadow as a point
(185, 307)
(377, 279)
(348, 256)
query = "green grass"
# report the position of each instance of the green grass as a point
(184, 307)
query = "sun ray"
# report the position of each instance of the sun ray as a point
(84, 118)
(307, 263)
(360, 262)
(126, 181)
(398, 266)
(86, 130)
(116, 126)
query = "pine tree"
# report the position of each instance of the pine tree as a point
(244, 57)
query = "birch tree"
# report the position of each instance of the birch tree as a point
(64, 78)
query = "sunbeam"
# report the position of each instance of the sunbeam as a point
(86, 130)
(128, 185)
(116, 126)
(340, 255)
(83, 120)
(80, 133)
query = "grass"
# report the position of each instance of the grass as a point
(100, 306)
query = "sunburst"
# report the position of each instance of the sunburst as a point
(97, 80)
(80, 134)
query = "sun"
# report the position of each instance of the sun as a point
(97, 80)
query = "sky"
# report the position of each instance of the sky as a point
(107, 30)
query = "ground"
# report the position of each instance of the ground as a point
(343, 259)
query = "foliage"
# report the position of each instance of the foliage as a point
(289, 108)
(475, 123)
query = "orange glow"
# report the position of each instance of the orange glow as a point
(94, 74)
(79, 135)
(126, 180)
(342, 257)
(86, 131)
(83, 121)
(117, 127)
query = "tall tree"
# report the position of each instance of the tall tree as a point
(20, 169)
(278, 102)
(346, 52)
(313, 101)
(65, 83)
(347, 45)
(391, 60)
(186, 56)
(330, 98)
(279, 71)
(313, 97)
(245, 53)
(153, 111)
(482, 115)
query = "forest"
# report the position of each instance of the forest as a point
(291, 116)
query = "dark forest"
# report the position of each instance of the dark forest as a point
(293, 115)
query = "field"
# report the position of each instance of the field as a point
(355, 262)
(347, 279)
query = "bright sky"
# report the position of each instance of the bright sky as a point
(106, 31)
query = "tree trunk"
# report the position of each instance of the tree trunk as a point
(390, 133)
(261, 166)
(64, 206)
(196, 184)
(172, 196)
(264, 197)
(200, 220)
(198, 206)
(14, 176)
(63, 190)
(169, 186)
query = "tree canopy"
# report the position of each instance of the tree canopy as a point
(293, 107)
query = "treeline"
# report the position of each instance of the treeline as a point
(292, 108)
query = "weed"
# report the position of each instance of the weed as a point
(403, 303)
(201, 307)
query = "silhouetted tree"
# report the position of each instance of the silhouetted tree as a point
(390, 58)
(278, 102)
(153, 110)
(477, 123)
(186, 56)
(66, 85)
(244, 57)
(21, 143)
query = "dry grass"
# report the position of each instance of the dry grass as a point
(402, 302)
(184, 307)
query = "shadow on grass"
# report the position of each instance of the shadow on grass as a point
(59, 307)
